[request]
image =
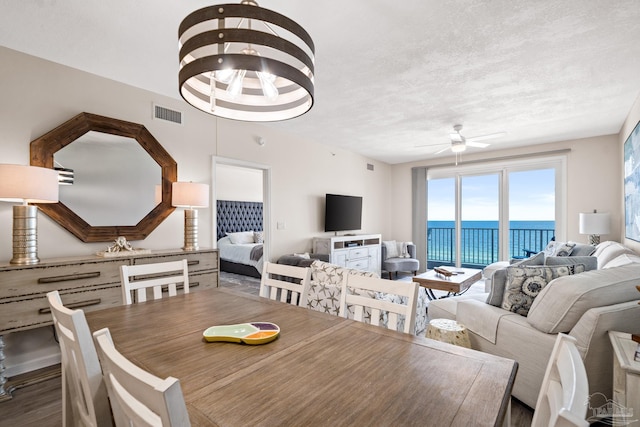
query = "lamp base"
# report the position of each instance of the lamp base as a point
(594, 239)
(190, 230)
(25, 233)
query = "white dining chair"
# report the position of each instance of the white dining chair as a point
(138, 398)
(84, 395)
(357, 292)
(137, 279)
(563, 397)
(274, 284)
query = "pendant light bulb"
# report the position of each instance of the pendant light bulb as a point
(235, 86)
(269, 89)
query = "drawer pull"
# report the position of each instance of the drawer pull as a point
(80, 276)
(74, 305)
(193, 262)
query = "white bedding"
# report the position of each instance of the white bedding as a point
(239, 253)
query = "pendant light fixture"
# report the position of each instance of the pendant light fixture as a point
(244, 62)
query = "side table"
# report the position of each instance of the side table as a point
(626, 376)
(449, 331)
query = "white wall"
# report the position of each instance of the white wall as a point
(238, 183)
(38, 95)
(593, 182)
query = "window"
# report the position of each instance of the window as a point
(481, 213)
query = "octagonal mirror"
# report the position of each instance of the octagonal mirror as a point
(122, 177)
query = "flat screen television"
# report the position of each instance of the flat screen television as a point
(342, 213)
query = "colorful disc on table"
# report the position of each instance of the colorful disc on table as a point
(248, 333)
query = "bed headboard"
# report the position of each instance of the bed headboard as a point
(234, 216)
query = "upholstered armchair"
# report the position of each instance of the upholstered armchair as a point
(398, 262)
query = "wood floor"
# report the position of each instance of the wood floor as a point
(40, 405)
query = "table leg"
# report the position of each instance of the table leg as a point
(430, 294)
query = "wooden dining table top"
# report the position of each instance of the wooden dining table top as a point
(321, 370)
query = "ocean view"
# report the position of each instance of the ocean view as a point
(480, 240)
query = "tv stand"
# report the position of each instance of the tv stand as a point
(361, 252)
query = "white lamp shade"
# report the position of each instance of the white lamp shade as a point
(595, 223)
(190, 194)
(31, 184)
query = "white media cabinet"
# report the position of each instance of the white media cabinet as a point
(361, 252)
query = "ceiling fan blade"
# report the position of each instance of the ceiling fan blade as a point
(489, 136)
(477, 144)
(442, 151)
(431, 145)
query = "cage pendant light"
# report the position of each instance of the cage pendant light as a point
(244, 62)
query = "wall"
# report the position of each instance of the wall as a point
(238, 183)
(39, 95)
(627, 127)
(593, 170)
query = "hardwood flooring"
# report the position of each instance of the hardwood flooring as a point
(40, 405)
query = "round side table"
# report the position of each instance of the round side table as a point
(448, 331)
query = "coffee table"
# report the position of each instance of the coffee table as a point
(456, 284)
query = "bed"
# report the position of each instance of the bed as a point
(239, 235)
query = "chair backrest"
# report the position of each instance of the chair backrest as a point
(285, 283)
(357, 291)
(138, 397)
(563, 397)
(153, 276)
(84, 395)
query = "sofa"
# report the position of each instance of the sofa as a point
(585, 303)
(326, 287)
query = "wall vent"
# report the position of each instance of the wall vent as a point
(369, 166)
(167, 114)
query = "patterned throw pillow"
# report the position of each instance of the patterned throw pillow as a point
(525, 283)
(258, 236)
(391, 247)
(559, 248)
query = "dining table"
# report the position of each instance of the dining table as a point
(321, 370)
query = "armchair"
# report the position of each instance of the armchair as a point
(399, 263)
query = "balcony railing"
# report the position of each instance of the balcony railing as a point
(480, 245)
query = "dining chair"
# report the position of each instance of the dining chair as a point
(564, 394)
(138, 397)
(290, 282)
(137, 279)
(381, 298)
(84, 395)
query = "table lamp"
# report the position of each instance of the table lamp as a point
(595, 224)
(27, 184)
(190, 195)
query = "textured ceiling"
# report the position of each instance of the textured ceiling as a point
(392, 78)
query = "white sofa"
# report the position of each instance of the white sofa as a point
(586, 305)
(326, 287)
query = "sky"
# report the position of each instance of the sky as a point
(531, 197)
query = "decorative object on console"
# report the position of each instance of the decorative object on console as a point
(121, 248)
(245, 73)
(595, 224)
(190, 195)
(27, 184)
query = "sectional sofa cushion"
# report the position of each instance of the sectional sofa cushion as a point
(607, 251)
(560, 305)
(589, 262)
(582, 249)
(499, 278)
(621, 260)
(525, 283)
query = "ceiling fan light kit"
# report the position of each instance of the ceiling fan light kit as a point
(244, 62)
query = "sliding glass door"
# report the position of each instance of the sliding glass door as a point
(480, 214)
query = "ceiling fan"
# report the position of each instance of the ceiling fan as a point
(459, 143)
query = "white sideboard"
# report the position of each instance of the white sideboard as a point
(626, 377)
(86, 282)
(360, 252)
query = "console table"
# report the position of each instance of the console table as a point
(360, 252)
(86, 282)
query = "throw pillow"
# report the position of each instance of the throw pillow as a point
(590, 262)
(565, 249)
(392, 248)
(241, 237)
(258, 236)
(499, 279)
(524, 283)
(303, 255)
(582, 249)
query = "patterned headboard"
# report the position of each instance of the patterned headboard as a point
(234, 216)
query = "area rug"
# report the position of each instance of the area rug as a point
(248, 284)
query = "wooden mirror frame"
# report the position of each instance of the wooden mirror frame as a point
(43, 148)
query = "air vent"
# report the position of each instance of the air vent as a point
(369, 166)
(163, 113)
